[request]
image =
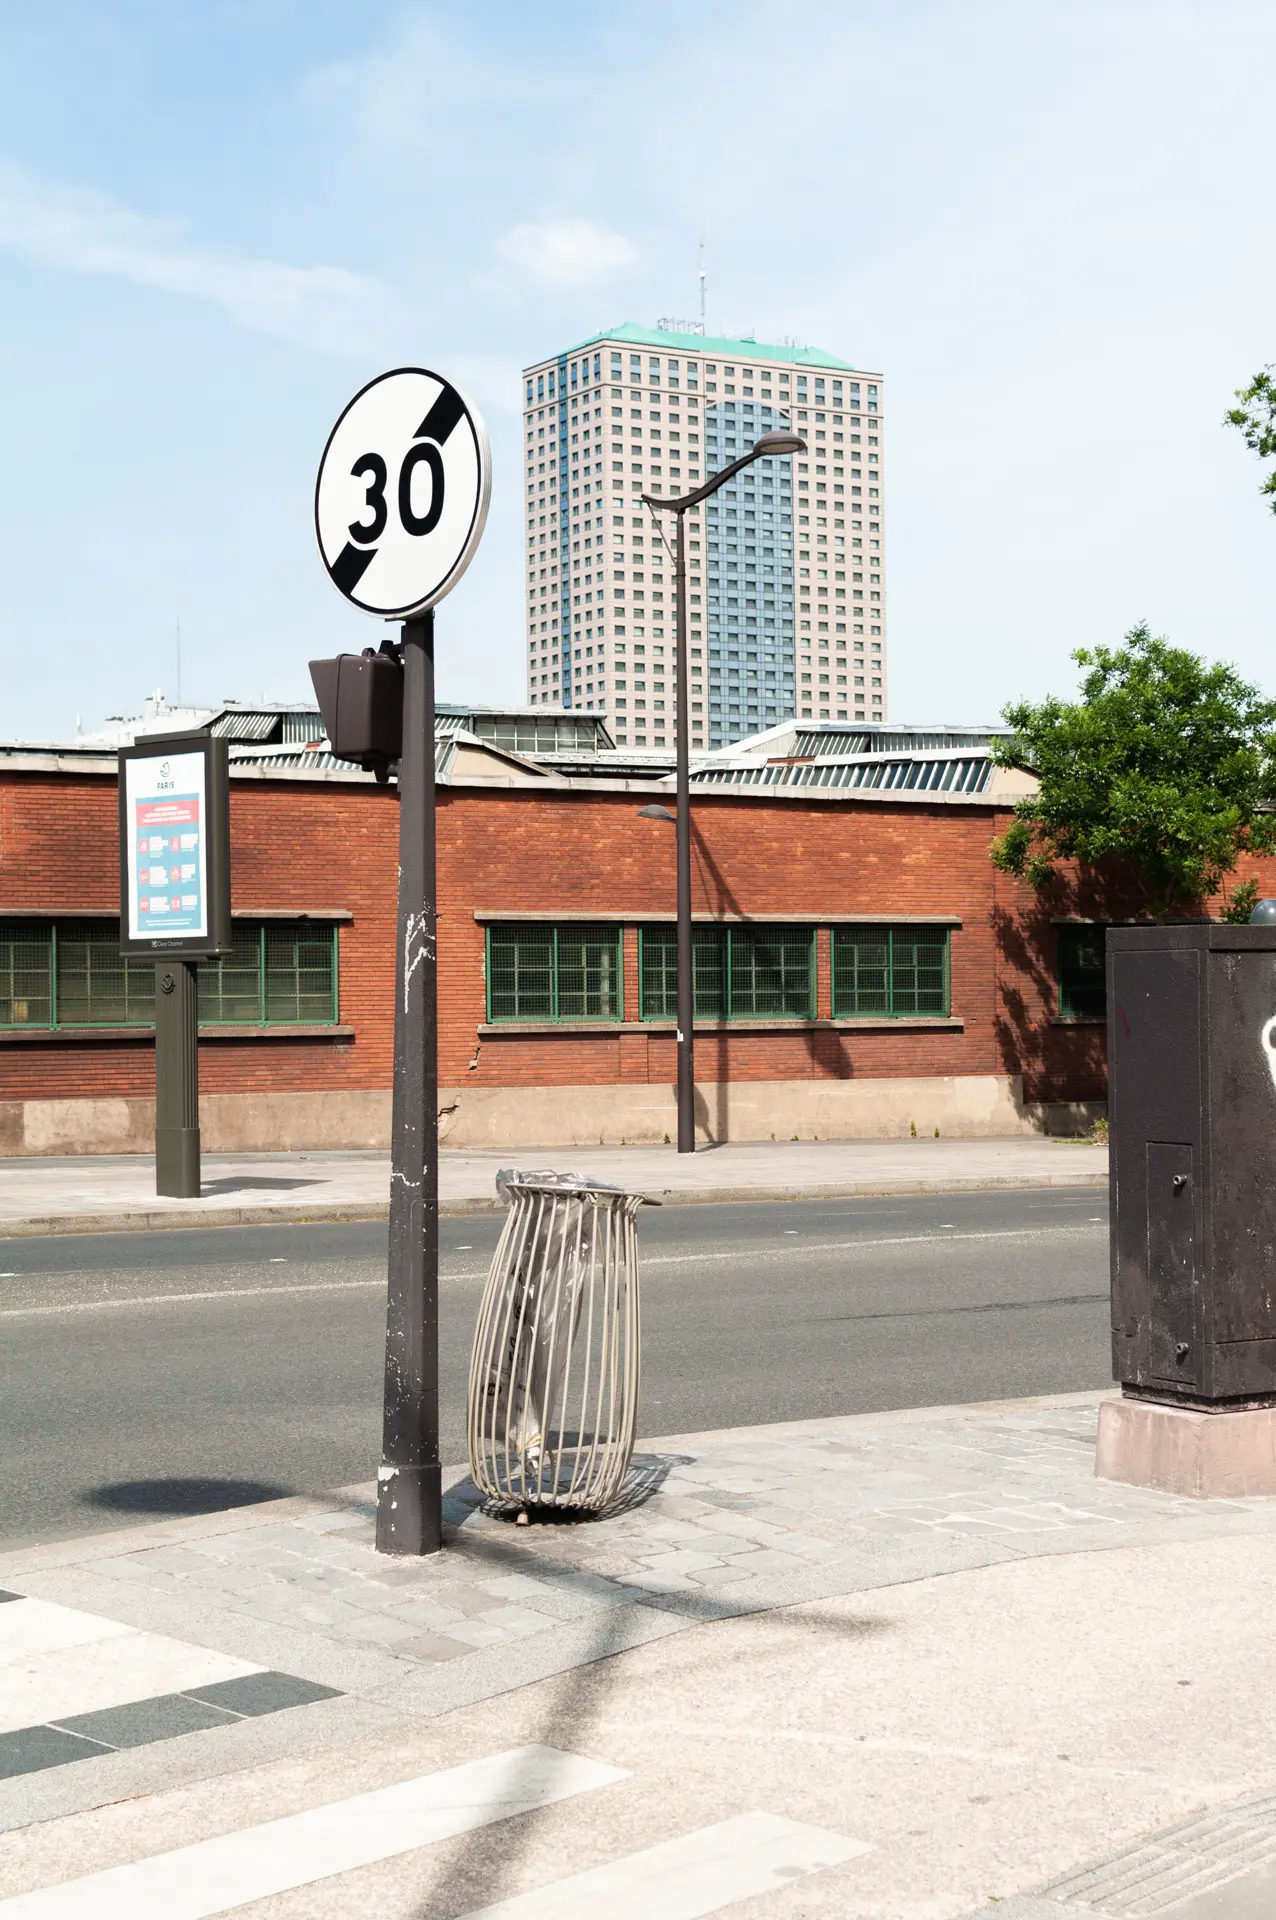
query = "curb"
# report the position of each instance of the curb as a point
(152, 1220)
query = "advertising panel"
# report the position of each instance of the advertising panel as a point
(167, 854)
(174, 851)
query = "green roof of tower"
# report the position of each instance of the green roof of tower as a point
(633, 335)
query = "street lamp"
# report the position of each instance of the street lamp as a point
(778, 442)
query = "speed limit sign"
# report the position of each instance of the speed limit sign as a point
(402, 493)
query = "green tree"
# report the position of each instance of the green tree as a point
(1256, 418)
(1160, 776)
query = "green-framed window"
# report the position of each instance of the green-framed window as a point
(1083, 987)
(540, 972)
(70, 973)
(890, 971)
(752, 972)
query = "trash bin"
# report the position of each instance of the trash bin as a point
(553, 1394)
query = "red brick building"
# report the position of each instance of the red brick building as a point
(862, 969)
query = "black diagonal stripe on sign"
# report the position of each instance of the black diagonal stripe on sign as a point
(441, 418)
(350, 565)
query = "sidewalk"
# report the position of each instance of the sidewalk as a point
(905, 1666)
(117, 1194)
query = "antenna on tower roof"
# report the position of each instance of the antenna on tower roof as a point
(700, 268)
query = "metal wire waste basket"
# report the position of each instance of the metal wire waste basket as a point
(553, 1399)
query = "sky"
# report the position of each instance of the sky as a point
(1046, 223)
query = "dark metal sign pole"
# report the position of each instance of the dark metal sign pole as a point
(177, 1171)
(409, 1486)
(389, 550)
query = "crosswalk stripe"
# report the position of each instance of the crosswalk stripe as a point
(39, 1626)
(56, 1661)
(214, 1876)
(683, 1879)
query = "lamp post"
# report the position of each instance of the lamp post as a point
(779, 442)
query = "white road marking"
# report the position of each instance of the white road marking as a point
(234, 1869)
(30, 1626)
(700, 1258)
(178, 1299)
(701, 1873)
(56, 1661)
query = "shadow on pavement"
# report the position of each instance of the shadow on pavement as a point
(182, 1496)
(486, 1869)
(245, 1183)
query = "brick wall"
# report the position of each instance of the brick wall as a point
(332, 845)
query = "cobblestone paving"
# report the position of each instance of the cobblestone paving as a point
(732, 1527)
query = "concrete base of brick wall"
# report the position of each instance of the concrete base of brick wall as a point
(969, 1106)
(962, 1106)
(229, 1123)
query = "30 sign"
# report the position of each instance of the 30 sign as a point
(402, 493)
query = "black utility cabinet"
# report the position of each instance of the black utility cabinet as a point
(1192, 1106)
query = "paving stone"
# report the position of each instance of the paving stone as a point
(129, 1570)
(681, 1506)
(808, 1548)
(476, 1633)
(167, 1560)
(165, 1717)
(228, 1579)
(257, 1693)
(31, 1749)
(676, 1532)
(434, 1646)
(332, 1522)
(380, 1630)
(659, 1582)
(391, 1578)
(513, 1586)
(765, 1560)
(715, 1577)
(507, 1616)
(423, 1613)
(333, 1614)
(683, 1562)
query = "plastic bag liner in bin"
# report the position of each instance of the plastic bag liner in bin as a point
(553, 1400)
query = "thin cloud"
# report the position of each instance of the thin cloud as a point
(566, 253)
(75, 231)
(472, 84)
(495, 380)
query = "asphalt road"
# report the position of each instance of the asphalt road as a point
(143, 1374)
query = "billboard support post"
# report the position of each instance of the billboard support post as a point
(177, 1172)
(175, 912)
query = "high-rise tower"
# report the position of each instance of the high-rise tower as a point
(786, 576)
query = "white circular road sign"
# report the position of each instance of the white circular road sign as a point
(402, 493)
